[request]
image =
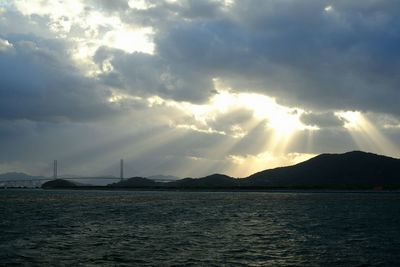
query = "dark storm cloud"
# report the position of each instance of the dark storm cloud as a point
(303, 52)
(39, 82)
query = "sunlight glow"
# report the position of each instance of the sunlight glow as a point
(243, 166)
(281, 125)
(139, 4)
(284, 121)
(5, 45)
(131, 40)
(366, 135)
(117, 97)
(90, 29)
(352, 119)
(195, 128)
(228, 3)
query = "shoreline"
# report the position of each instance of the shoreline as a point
(233, 190)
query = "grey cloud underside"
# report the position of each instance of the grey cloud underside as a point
(106, 5)
(343, 58)
(322, 120)
(146, 75)
(39, 82)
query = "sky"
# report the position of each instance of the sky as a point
(194, 87)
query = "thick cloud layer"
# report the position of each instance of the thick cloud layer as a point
(40, 83)
(309, 53)
(193, 87)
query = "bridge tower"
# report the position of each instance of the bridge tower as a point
(55, 169)
(121, 170)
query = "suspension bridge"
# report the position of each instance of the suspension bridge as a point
(36, 182)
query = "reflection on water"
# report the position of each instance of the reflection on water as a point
(109, 228)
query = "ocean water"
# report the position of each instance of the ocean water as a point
(134, 228)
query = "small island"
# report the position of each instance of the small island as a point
(59, 183)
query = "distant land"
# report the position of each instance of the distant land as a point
(351, 170)
(17, 176)
(79, 180)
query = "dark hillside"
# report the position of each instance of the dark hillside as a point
(352, 168)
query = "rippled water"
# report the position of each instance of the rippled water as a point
(114, 228)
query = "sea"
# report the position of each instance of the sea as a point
(175, 228)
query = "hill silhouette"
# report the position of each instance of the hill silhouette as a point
(211, 181)
(58, 183)
(353, 170)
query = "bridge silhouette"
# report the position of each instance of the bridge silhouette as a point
(37, 182)
(32, 183)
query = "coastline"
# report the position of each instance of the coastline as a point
(233, 190)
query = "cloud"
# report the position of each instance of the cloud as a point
(147, 75)
(322, 120)
(299, 52)
(40, 83)
(294, 51)
(108, 6)
(89, 82)
(5, 46)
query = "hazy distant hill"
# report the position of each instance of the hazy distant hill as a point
(352, 168)
(19, 176)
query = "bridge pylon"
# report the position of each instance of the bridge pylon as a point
(55, 169)
(121, 170)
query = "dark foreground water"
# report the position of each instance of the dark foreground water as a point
(111, 228)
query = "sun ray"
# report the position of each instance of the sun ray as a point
(281, 123)
(250, 125)
(366, 135)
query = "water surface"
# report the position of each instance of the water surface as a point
(133, 228)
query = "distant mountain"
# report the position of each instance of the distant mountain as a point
(19, 176)
(211, 181)
(353, 168)
(58, 183)
(135, 182)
